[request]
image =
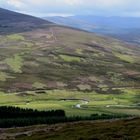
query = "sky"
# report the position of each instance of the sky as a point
(44, 8)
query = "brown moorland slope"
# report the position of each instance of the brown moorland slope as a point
(89, 130)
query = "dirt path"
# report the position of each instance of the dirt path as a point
(4, 134)
(129, 106)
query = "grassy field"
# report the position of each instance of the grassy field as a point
(76, 103)
(89, 130)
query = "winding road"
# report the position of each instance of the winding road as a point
(83, 103)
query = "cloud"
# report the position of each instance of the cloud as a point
(98, 7)
(99, 3)
(15, 3)
(74, 2)
(108, 3)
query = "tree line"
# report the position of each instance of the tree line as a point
(16, 112)
(18, 117)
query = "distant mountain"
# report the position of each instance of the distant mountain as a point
(124, 28)
(112, 22)
(71, 22)
(12, 22)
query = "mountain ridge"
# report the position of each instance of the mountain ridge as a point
(13, 22)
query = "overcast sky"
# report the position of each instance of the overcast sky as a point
(74, 7)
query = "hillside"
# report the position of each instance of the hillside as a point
(62, 58)
(12, 22)
(56, 67)
(100, 130)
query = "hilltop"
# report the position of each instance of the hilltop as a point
(13, 22)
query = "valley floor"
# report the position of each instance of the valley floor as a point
(127, 129)
(76, 103)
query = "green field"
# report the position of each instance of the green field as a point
(76, 103)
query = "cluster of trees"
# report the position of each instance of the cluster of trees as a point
(16, 112)
(17, 117)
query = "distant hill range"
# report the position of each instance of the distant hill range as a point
(12, 22)
(124, 28)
